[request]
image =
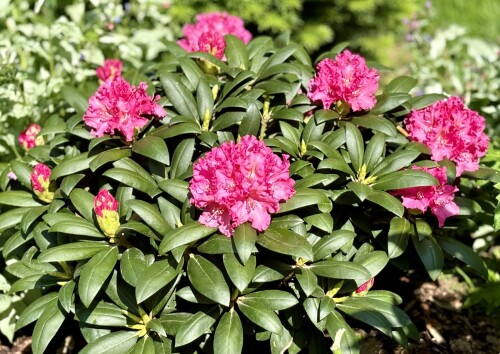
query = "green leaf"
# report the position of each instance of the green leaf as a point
(354, 144)
(70, 182)
(276, 300)
(152, 147)
(229, 334)
(178, 94)
(75, 99)
(22, 172)
(395, 316)
(261, 315)
(176, 188)
(308, 281)
(240, 274)
(430, 254)
(361, 190)
(423, 101)
(205, 98)
(387, 102)
(208, 279)
(373, 261)
(47, 326)
(387, 201)
(193, 328)
(326, 307)
(149, 214)
(264, 274)
(397, 238)
(404, 179)
(244, 238)
(182, 158)
(71, 166)
(76, 226)
(83, 201)
(285, 242)
(132, 179)
(374, 151)
(65, 296)
(169, 131)
(113, 343)
(323, 221)
(154, 277)
(341, 270)
(192, 71)
(102, 314)
(35, 309)
(108, 156)
(236, 52)
(394, 162)
(464, 253)
(145, 345)
(18, 199)
(337, 326)
(132, 264)
(331, 243)
(304, 197)
(402, 84)
(184, 235)
(94, 274)
(73, 251)
(12, 217)
(376, 123)
(32, 215)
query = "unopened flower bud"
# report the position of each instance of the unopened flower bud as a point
(28, 137)
(363, 289)
(106, 209)
(40, 182)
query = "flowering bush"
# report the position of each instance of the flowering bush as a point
(307, 195)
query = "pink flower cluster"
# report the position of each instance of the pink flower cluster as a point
(28, 138)
(111, 69)
(104, 201)
(345, 78)
(439, 199)
(451, 131)
(118, 105)
(236, 183)
(207, 34)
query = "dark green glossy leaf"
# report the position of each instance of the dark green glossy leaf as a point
(46, 327)
(179, 95)
(285, 242)
(236, 52)
(404, 179)
(308, 281)
(261, 315)
(337, 327)
(208, 279)
(132, 264)
(341, 270)
(32, 215)
(132, 179)
(386, 201)
(113, 343)
(373, 261)
(244, 239)
(95, 273)
(376, 123)
(182, 158)
(83, 201)
(65, 296)
(387, 102)
(12, 217)
(108, 156)
(430, 254)
(395, 162)
(423, 101)
(73, 251)
(402, 84)
(35, 309)
(71, 166)
(153, 278)
(275, 299)
(229, 334)
(354, 144)
(463, 253)
(18, 199)
(76, 226)
(193, 328)
(176, 188)
(184, 235)
(153, 147)
(397, 238)
(241, 275)
(150, 215)
(102, 314)
(331, 243)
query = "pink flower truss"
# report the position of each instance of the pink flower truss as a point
(117, 105)
(27, 138)
(40, 177)
(439, 199)
(111, 69)
(345, 78)
(451, 131)
(104, 201)
(236, 183)
(207, 34)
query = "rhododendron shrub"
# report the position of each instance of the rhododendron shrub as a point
(125, 236)
(344, 79)
(236, 183)
(451, 131)
(207, 33)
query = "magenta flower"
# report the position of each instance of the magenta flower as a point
(28, 137)
(236, 183)
(111, 69)
(451, 131)
(117, 105)
(439, 199)
(207, 34)
(40, 182)
(345, 78)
